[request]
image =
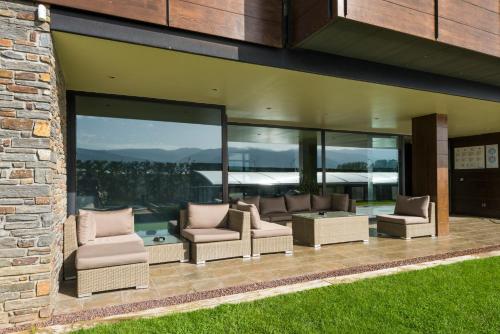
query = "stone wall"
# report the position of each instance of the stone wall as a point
(32, 165)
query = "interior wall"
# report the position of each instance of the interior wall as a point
(475, 191)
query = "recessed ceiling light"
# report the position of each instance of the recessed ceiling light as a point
(111, 77)
(215, 89)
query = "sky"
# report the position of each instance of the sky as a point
(104, 133)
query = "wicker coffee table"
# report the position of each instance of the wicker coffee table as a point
(313, 229)
(171, 248)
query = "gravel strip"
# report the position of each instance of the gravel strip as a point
(97, 313)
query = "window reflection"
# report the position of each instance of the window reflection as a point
(272, 161)
(147, 155)
(366, 167)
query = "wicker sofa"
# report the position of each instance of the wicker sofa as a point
(103, 253)
(280, 209)
(267, 237)
(215, 231)
(413, 217)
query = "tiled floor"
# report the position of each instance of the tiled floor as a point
(181, 278)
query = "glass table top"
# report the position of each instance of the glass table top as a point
(328, 214)
(164, 232)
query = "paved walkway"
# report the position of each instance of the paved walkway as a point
(169, 280)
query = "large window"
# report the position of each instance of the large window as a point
(155, 156)
(272, 161)
(149, 155)
(366, 167)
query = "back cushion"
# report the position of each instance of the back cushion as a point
(207, 215)
(340, 202)
(272, 205)
(321, 203)
(412, 206)
(113, 222)
(298, 203)
(85, 227)
(254, 213)
(252, 200)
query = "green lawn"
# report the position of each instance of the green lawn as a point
(458, 298)
(375, 203)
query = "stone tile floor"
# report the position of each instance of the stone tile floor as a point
(181, 278)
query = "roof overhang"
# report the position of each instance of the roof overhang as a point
(261, 94)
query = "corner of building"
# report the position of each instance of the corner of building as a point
(32, 165)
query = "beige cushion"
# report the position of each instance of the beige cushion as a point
(85, 228)
(268, 230)
(113, 222)
(207, 215)
(340, 202)
(321, 203)
(404, 220)
(106, 255)
(298, 203)
(272, 205)
(255, 200)
(412, 206)
(117, 239)
(209, 234)
(254, 213)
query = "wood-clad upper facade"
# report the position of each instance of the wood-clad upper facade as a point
(469, 24)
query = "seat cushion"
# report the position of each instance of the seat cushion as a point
(209, 234)
(112, 222)
(340, 202)
(254, 213)
(298, 203)
(104, 255)
(268, 230)
(321, 203)
(207, 215)
(412, 206)
(86, 227)
(403, 220)
(277, 217)
(272, 205)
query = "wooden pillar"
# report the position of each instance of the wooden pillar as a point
(430, 164)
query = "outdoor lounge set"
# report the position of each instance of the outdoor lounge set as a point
(104, 253)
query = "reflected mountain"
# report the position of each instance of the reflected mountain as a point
(253, 157)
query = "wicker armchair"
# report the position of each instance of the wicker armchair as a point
(94, 273)
(407, 227)
(202, 251)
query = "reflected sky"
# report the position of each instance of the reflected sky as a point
(104, 133)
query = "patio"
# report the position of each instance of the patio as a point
(176, 279)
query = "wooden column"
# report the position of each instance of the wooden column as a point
(430, 164)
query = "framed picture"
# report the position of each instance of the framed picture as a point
(471, 157)
(492, 156)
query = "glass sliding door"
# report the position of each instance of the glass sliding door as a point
(271, 161)
(149, 155)
(366, 167)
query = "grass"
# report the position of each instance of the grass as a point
(375, 203)
(457, 298)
